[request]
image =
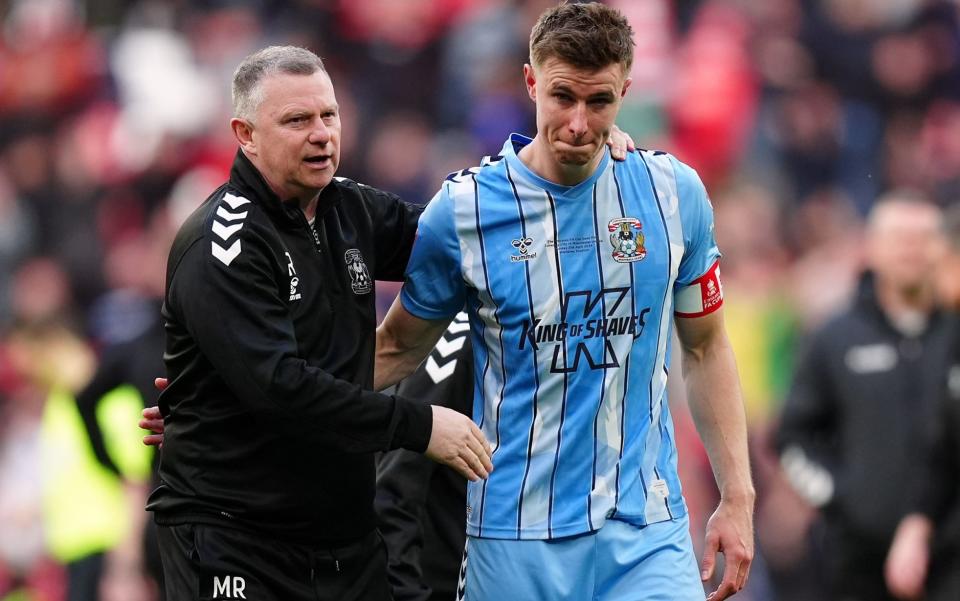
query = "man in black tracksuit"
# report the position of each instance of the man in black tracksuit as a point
(864, 392)
(267, 473)
(421, 505)
(924, 559)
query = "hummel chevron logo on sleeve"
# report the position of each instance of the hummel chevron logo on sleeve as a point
(225, 231)
(446, 347)
(226, 255)
(234, 201)
(451, 342)
(457, 327)
(439, 373)
(225, 214)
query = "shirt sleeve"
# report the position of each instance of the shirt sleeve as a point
(808, 425)
(697, 290)
(433, 286)
(232, 308)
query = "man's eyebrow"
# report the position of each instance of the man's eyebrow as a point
(566, 89)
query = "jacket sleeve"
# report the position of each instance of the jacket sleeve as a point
(229, 301)
(806, 436)
(395, 223)
(108, 376)
(404, 479)
(936, 489)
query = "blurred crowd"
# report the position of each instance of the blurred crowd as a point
(798, 114)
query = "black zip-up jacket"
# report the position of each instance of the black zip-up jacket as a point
(421, 505)
(863, 395)
(270, 423)
(938, 495)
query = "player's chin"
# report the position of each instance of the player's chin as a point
(578, 159)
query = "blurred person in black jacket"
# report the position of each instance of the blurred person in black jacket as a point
(924, 560)
(863, 393)
(421, 505)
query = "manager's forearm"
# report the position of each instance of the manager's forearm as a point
(713, 389)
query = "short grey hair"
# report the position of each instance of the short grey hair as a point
(247, 93)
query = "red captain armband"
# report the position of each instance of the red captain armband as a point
(702, 296)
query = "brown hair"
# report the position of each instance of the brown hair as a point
(587, 36)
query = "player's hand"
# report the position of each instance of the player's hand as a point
(456, 441)
(729, 531)
(906, 567)
(152, 421)
(620, 143)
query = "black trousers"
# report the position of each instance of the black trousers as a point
(203, 562)
(854, 565)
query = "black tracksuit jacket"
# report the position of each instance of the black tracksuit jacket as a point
(862, 398)
(270, 423)
(421, 505)
(938, 495)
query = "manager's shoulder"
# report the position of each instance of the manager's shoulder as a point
(223, 219)
(366, 192)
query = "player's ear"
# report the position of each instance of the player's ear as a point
(626, 84)
(530, 78)
(243, 132)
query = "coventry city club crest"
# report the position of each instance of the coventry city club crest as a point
(626, 236)
(360, 280)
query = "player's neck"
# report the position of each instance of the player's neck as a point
(538, 158)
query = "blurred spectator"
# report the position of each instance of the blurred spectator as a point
(924, 559)
(863, 394)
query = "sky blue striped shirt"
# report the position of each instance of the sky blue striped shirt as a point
(571, 293)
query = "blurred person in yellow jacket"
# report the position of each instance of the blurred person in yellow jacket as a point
(85, 507)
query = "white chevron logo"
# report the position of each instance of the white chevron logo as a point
(440, 373)
(447, 347)
(234, 201)
(457, 327)
(225, 231)
(224, 213)
(226, 255)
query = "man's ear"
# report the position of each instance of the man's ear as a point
(626, 84)
(530, 78)
(243, 132)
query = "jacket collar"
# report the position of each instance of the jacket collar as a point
(249, 181)
(866, 302)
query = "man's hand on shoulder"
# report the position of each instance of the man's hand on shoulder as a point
(456, 441)
(620, 144)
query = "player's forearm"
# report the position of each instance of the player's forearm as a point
(403, 342)
(716, 404)
(394, 360)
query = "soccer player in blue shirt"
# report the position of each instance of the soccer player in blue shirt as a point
(573, 269)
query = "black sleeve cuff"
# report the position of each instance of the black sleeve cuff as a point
(414, 426)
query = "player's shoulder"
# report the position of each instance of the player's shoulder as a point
(665, 160)
(466, 178)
